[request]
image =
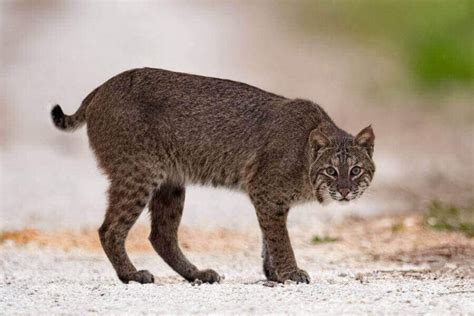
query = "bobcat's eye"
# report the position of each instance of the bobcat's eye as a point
(331, 171)
(355, 171)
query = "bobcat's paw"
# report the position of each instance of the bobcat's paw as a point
(207, 276)
(298, 276)
(142, 276)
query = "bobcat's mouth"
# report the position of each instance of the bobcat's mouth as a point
(343, 199)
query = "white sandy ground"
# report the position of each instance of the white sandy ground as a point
(36, 280)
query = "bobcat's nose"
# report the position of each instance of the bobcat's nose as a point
(344, 191)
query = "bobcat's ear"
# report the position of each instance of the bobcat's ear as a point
(366, 138)
(317, 140)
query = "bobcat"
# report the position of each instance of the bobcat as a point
(155, 131)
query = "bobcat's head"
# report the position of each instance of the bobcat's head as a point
(341, 166)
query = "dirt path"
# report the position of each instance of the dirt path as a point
(376, 270)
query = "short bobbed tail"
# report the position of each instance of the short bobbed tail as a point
(71, 122)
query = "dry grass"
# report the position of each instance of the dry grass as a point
(396, 238)
(404, 238)
(88, 239)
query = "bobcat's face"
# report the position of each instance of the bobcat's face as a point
(341, 168)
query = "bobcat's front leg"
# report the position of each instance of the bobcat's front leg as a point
(279, 260)
(268, 268)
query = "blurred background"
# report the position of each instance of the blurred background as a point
(406, 67)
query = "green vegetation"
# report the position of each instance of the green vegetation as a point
(434, 38)
(323, 239)
(398, 227)
(444, 216)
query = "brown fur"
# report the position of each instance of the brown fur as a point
(155, 131)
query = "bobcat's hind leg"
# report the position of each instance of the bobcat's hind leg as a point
(166, 208)
(127, 199)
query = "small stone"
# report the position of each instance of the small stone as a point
(361, 277)
(331, 281)
(269, 284)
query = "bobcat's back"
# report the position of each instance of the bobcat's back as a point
(201, 129)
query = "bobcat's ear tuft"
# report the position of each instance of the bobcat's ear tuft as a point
(366, 138)
(318, 140)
